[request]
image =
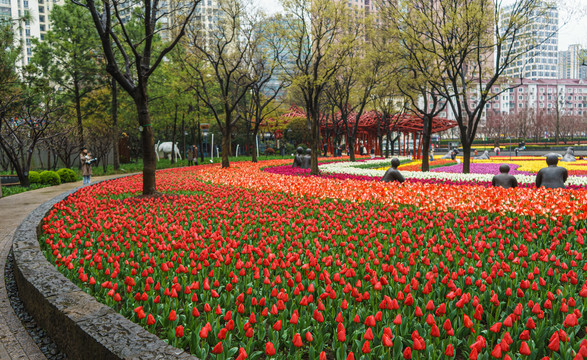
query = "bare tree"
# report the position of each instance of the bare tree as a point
(22, 127)
(471, 42)
(217, 61)
(318, 47)
(351, 88)
(111, 24)
(263, 61)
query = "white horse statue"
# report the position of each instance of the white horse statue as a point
(165, 148)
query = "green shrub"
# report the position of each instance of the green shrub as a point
(50, 178)
(34, 177)
(67, 175)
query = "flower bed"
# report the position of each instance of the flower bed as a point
(486, 171)
(240, 261)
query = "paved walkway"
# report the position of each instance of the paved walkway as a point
(15, 342)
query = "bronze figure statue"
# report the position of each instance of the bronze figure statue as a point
(307, 159)
(504, 179)
(298, 159)
(569, 155)
(553, 176)
(393, 174)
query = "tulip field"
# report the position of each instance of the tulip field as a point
(262, 261)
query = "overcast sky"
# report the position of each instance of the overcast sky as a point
(574, 32)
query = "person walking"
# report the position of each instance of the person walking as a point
(86, 161)
(190, 156)
(195, 151)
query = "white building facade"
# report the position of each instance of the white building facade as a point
(569, 96)
(539, 41)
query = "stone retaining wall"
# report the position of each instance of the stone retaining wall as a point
(81, 326)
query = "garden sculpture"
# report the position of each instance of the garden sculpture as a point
(484, 156)
(393, 174)
(299, 158)
(504, 179)
(165, 148)
(569, 156)
(553, 176)
(307, 160)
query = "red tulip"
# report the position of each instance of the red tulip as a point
(297, 340)
(554, 342)
(449, 351)
(387, 341)
(524, 349)
(242, 354)
(407, 354)
(217, 349)
(269, 349)
(366, 347)
(496, 353)
(179, 331)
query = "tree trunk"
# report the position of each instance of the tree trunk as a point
(173, 133)
(466, 157)
(225, 146)
(315, 128)
(351, 143)
(426, 135)
(254, 147)
(78, 113)
(183, 136)
(148, 146)
(115, 139)
(200, 144)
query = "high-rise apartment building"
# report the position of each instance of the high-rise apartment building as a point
(538, 44)
(570, 63)
(36, 26)
(206, 19)
(368, 6)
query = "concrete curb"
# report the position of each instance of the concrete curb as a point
(82, 327)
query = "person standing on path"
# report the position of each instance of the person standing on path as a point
(84, 159)
(190, 156)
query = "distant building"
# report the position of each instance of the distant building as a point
(206, 19)
(567, 95)
(539, 41)
(570, 63)
(36, 27)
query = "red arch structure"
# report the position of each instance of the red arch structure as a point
(367, 129)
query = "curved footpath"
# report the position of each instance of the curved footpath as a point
(15, 342)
